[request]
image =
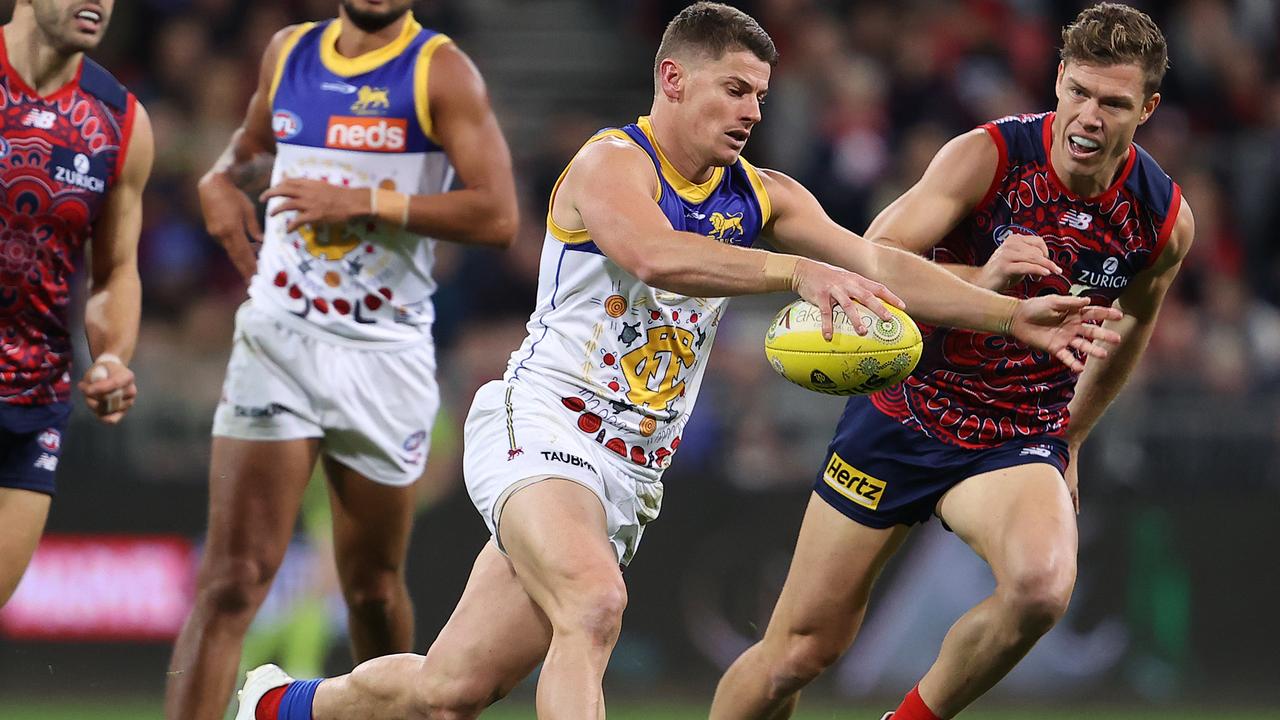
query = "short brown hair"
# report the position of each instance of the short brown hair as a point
(712, 29)
(1114, 34)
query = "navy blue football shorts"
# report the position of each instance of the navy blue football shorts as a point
(31, 445)
(881, 473)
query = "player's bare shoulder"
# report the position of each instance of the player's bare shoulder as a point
(965, 166)
(610, 165)
(452, 73)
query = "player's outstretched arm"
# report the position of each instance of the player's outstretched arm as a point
(112, 312)
(955, 182)
(244, 167)
(1140, 304)
(609, 190)
(1057, 324)
(482, 212)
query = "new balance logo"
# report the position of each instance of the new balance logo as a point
(1076, 219)
(46, 461)
(39, 119)
(1038, 450)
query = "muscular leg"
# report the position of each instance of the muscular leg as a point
(371, 526)
(817, 616)
(22, 515)
(495, 638)
(555, 534)
(1021, 521)
(255, 490)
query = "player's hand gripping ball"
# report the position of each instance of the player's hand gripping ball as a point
(851, 364)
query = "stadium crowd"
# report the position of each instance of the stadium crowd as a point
(865, 94)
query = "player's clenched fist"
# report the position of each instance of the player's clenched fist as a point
(109, 389)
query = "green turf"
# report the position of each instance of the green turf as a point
(116, 710)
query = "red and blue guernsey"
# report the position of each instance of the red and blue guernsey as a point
(59, 156)
(976, 390)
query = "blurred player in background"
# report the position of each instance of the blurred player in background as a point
(368, 117)
(649, 231)
(986, 432)
(75, 153)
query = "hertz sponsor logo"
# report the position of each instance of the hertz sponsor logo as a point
(853, 483)
(372, 134)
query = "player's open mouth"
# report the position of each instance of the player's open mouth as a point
(739, 136)
(1082, 147)
(88, 20)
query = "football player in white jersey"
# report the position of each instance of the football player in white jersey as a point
(366, 118)
(566, 482)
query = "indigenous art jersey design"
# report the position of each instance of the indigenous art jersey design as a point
(975, 389)
(355, 122)
(59, 156)
(624, 360)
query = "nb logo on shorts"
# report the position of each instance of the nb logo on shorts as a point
(853, 483)
(1043, 451)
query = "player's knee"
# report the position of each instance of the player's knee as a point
(374, 593)
(595, 611)
(804, 658)
(235, 586)
(1039, 596)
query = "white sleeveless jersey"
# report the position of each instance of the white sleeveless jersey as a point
(622, 359)
(356, 122)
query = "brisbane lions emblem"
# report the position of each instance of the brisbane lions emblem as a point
(726, 228)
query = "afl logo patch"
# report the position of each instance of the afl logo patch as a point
(285, 124)
(1004, 231)
(50, 440)
(415, 440)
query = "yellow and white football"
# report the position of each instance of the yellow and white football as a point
(850, 364)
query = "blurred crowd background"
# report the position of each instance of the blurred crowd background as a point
(1180, 487)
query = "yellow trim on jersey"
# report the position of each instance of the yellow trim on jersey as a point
(693, 192)
(347, 67)
(285, 49)
(421, 73)
(757, 184)
(577, 237)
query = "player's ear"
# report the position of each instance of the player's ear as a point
(1149, 107)
(1057, 82)
(671, 79)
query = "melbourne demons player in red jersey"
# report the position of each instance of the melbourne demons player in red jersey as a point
(986, 431)
(75, 152)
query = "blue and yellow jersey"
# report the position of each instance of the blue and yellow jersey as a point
(623, 359)
(356, 122)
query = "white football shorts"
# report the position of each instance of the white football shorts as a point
(372, 409)
(514, 438)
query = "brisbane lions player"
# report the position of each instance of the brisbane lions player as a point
(75, 152)
(986, 431)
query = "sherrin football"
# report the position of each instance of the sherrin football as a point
(850, 364)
